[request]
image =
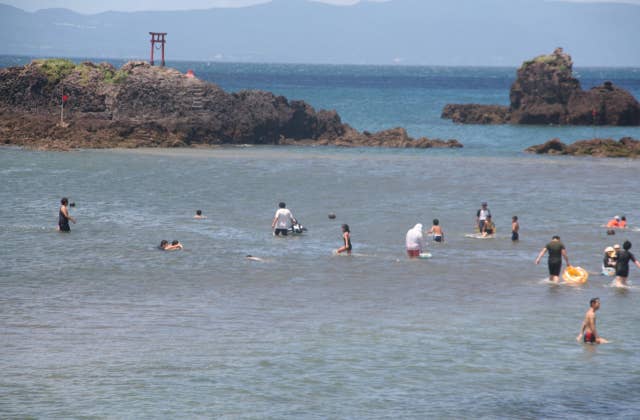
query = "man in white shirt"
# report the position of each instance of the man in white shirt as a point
(481, 216)
(282, 221)
(415, 241)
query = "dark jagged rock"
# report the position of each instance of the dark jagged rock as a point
(481, 114)
(545, 92)
(144, 106)
(625, 147)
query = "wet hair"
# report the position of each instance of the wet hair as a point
(175, 242)
(345, 228)
(282, 205)
(514, 218)
(626, 245)
(555, 237)
(593, 300)
(163, 243)
(199, 212)
(436, 222)
(623, 218)
(64, 201)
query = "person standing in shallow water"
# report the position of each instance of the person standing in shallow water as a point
(64, 216)
(622, 264)
(346, 237)
(283, 220)
(415, 241)
(557, 251)
(588, 333)
(515, 229)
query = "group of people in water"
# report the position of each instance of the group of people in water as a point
(616, 259)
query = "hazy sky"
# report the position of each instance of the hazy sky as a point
(93, 6)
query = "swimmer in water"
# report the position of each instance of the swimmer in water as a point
(588, 333)
(557, 251)
(174, 246)
(346, 237)
(252, 258)
(488, 228)
(614, 223)
(436, 231)
(64, 216)
(622, 264)
(199, 215)
(515, 229)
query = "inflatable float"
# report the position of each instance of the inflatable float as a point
(608, 271)
(425, 255)
(575, 275)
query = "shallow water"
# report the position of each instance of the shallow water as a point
(99, 323)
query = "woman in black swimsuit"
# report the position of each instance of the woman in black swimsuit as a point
(346, 236)
(64, 217)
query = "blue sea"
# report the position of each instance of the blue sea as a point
(99, 323)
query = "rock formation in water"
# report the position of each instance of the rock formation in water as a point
(144, 106)
(625, 147)
(545, 92)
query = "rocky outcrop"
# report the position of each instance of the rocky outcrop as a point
(481, 114)
(625, 147)
(144, 106)
(546, 92)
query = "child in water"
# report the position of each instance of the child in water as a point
(199, 215)
(346, 237)
(489, 228)
(515, 229)
(436, 231)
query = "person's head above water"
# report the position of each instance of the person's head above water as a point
(626, 245)
(282, 205)
(616, 247)
(345, 228)
(514, 218)
(616, 217)
(484, 204)
(199, 212)
(624, 218)
(436, 222)
(164, 243)
(556, 237)
(64, 201)
(594, 302)
(175, 242)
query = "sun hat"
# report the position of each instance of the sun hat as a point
(609, 250)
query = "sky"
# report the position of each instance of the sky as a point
(97, 6)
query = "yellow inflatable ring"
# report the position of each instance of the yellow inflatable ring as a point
(576, 275)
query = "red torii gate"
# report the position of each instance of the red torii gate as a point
(159, 38)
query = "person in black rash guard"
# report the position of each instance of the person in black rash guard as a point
(556, 252)
(622, 264)
(64, 217)
(346, 237)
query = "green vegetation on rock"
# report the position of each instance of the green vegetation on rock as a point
(55, 69)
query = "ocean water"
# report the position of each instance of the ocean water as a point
(98, 323)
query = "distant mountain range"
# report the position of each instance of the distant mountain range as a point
(430, 32)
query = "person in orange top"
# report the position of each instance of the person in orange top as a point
(623, 222)
(614, 223)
